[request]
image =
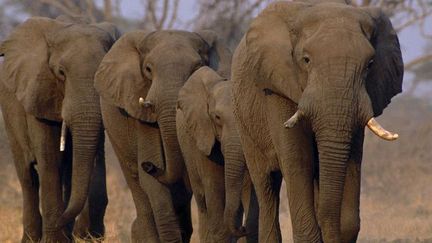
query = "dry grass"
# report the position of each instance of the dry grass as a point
(396, 200)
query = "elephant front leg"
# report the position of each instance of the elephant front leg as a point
(267, 189)
(298, 175)
(32, 219)
(45, 139)
(28, 178)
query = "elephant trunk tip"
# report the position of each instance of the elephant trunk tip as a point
(239, 232)
(232, 227)
(68, 215)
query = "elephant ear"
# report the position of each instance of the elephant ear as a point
(26, 71)
(193, 101)
(219, 55)
(385, 76)
(119, 78)
(269, 46)
(111, 29)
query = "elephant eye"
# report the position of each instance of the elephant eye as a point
(217, 117)
(148, 69)
(61, 74)
(306, 59)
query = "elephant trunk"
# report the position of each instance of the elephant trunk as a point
(234, 176)
(333, 124)
(174, 164)
(86, 129)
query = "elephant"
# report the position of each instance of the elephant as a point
(214, 157)
(138, 81)
(48, 98)
(308, 77)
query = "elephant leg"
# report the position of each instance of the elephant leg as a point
(300, 191)
(350, 212)
(143, 227)
(161, 203)
(214, 190)
(122, 134)
(251, 211)
(32, 219)
(267, 189)
(182, 196)
(16, 128)
(267, 186)
(93, 216)
(198, 192)
(202, 215)
(45, 139)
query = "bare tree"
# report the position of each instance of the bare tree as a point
(229, 18)
(160, 14)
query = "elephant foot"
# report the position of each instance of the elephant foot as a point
(240, 232)
(54, 237)
(30, 238)
(151, 169)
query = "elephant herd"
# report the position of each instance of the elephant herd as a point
(186, 117)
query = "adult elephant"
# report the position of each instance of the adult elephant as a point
(47, 79)
(214, 158)
(330, 68)
(139, 80)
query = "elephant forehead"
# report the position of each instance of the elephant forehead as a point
(333, 14)
(222, 93)
(174, 37)
(75, 32)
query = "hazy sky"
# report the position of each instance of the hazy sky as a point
(410, 39)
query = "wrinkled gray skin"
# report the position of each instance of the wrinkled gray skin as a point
(315, 58)
(47, 78)
(154, 66)
(214, 157)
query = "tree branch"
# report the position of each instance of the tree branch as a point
(418, 61)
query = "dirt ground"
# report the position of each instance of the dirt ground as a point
(396, 198)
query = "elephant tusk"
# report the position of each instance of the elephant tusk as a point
(63, 137)
(145, 103)
(141, 101)
(293, 120)
(376, 128)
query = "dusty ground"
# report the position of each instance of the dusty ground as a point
(396, 199)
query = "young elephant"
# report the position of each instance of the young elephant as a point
(47, 81)
(214, 157)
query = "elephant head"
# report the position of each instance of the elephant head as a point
(206, 105)
(49, 65)
(341, 65)
(143, 74)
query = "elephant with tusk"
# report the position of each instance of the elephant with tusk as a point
(324, 70)
(47, 97)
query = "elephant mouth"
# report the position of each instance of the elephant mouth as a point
(151, 123)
